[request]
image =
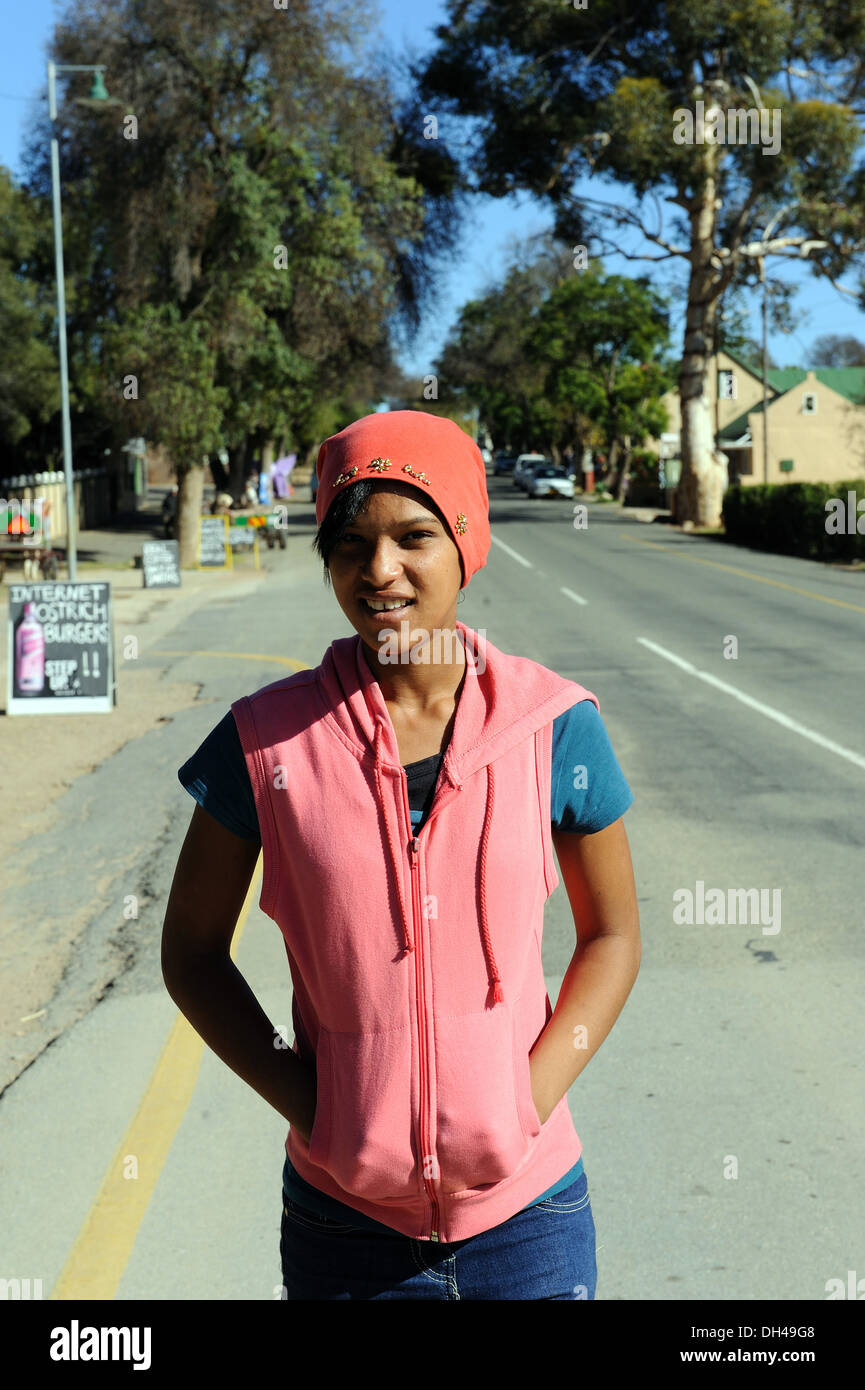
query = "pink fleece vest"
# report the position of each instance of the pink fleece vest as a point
(415, 960)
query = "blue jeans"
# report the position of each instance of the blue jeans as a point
(544, 1252)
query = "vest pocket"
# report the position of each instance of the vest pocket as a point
(362, 1130)
(485, 1116)
(529, 1117)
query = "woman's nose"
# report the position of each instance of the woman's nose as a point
(382, 562)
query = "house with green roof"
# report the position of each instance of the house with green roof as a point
(814, 422)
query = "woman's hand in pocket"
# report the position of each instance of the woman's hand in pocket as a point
(543, 1102)
(305, 1117)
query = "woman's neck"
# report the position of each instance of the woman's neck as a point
(417, 688)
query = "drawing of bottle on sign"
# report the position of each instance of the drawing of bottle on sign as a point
(60, 649)
(30, 654)
(214, 552)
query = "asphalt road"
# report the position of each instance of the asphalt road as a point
(722, 1120)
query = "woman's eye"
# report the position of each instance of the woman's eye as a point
(410, 535)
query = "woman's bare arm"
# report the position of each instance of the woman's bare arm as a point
(599, 878)
(211, 880)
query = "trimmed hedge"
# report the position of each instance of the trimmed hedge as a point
(790, 519)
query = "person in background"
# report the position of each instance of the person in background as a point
(169, 512)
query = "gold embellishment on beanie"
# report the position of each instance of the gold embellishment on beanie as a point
(462, 523)
(344, 477)
(380, 464)
(421, 477)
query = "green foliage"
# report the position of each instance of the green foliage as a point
(29, 380)
(250, 252)
(178, 401)
(557, 357)
(837, 350)
(486, 360)
(556, 96)
(790, 519)
(602, 338)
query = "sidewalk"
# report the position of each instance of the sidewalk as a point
(45, 755)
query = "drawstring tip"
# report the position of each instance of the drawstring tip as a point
(498, 993)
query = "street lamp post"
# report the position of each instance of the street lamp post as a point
(759, 250)
(97, 93)
(765, 370)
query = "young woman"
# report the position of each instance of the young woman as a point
(407, 795)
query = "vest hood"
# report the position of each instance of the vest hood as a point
(503, 700)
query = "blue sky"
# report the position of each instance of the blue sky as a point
(491, 228)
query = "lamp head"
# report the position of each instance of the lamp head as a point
(98, 91)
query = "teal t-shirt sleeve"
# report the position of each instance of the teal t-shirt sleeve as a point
(588, 787)
(217, 776)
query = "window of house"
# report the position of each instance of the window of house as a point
(809, 403)
(727, 387)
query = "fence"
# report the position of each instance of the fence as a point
(95, 492)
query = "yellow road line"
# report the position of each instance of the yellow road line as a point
(104, 1244)
(748, 574)
(245, 656)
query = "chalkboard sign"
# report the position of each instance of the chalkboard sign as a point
(160, 562)
(240, 536)
(213, 547)
(60, 654)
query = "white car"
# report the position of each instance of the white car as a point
(547, 481)
(523, 465)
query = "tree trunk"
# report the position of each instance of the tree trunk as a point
(612, 465)
(237, 470)
(188, 513)
(703, 477)
(621, 488)
(218, 473)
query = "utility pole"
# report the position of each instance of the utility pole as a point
(765, 371)
(97, 94)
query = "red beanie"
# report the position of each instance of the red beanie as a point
(427, 451)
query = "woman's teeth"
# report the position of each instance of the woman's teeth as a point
(387, 607)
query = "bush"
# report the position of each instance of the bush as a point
(790, 519)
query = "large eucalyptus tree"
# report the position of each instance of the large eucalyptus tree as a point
(736, 127)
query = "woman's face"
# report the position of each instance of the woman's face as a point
(396, 548)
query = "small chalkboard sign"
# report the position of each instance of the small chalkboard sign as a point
(61, 649)
(213, 548)
(240, 536)
(160, 563)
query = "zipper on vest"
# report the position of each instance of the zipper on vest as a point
(417, 930)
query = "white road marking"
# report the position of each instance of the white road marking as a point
(856, 758)
(513, 554)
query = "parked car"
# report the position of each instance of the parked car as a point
(524, 464)
(503, 463)
(548, 481)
